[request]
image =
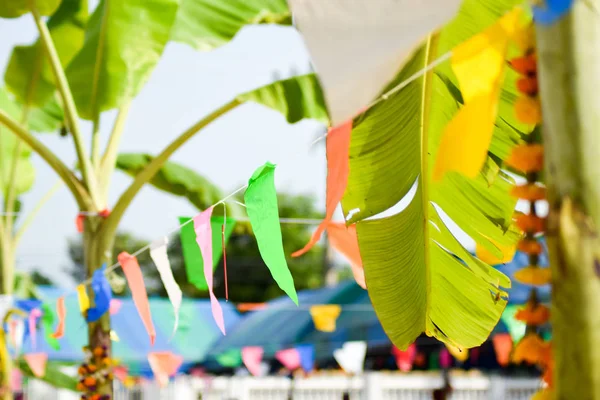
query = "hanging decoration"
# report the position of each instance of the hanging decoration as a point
(158, 253)
(252, 357)
(61, 311)
(84, 300)
(405, 358)
(351, 357)
(503, 345)
(289, 358)
(203, 229)
(115, 306)
(338, 169)
(383, 32)
(134, 277)
(261, 205)
(478, 65)
(96, 369)
(324, 316)
(164, 365)
(550, 11)
(32, 321)
(230, 359)
(37, 363)
(102, 295)
(307, 357)
(343, 239)
(47, 319)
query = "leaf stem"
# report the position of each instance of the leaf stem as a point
(157, 162)
(69, 105)
(107, 164)
(73, 183)
(96, 143)
(31, 216)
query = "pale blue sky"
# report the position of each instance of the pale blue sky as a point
(185, 86)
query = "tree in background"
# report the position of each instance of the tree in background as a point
(248, 278)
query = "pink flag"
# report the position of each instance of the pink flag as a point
(33, 316)
(134, 277)
(16, 380)
(252, 356)
(405, 358)
(37, 363)
(290, 358)
(164, 365)
(338, 170)
(115, 306)
(445, 358)
(204, 239)
(120, 373)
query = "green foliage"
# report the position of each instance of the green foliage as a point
(419, 277)
(122, 46)
(207, 24)
(28, 74)
(16, 8)
(54, 376)
(296, 98)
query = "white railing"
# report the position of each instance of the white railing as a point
(370, 386)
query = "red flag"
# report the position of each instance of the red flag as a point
(503, 345)
(343, 238)
(405, 358)
(61, 312)
(135, 280)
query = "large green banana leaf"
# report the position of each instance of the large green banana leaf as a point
(28, 74)
(54, 376)
(419, 278)
(16, 8)
(207, 24)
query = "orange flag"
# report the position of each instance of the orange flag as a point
(503, 345)
(61, 312)
(37, 363)
(343, 238)
(135, 280)
(164, 365)
(338, 169)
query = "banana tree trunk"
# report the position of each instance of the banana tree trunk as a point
(569, 65)
(98, 250)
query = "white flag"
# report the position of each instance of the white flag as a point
(158, 252)
(358, 46)
(351, 356)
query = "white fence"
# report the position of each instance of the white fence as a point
(370, 386)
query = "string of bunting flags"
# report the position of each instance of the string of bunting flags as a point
(478, 64)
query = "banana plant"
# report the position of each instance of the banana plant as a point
(87, 64)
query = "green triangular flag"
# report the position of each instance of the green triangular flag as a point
(191, 252)
(261, 205)
(48, 324)
(516, 328)
(231, 358)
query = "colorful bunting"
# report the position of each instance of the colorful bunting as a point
(289, 358)
(158, 253)
(134, 277)
(48, 324)
(252, 357)
(551, 11)
(230, 359)
(383, 32)
(307, 357)
(37, 363)
(503, 345)
(445, 358)
(203, 229)
(102, 295)
(324, 316)
(115, 306)
(351, 356)
(261, 205)
(345, 241)
(405, 358)
(194, 264)
(16, 380)
(478, 65)
(164, 365)
(338, 169)
(84, 300)
(61, 311)
(33, 316)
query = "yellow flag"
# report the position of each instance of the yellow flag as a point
(84, 300)
(478, 65)
(324, 316)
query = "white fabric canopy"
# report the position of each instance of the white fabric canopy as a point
(358, 46)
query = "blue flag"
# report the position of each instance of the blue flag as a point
(307, 356)
(552, 11)
(102, 295)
